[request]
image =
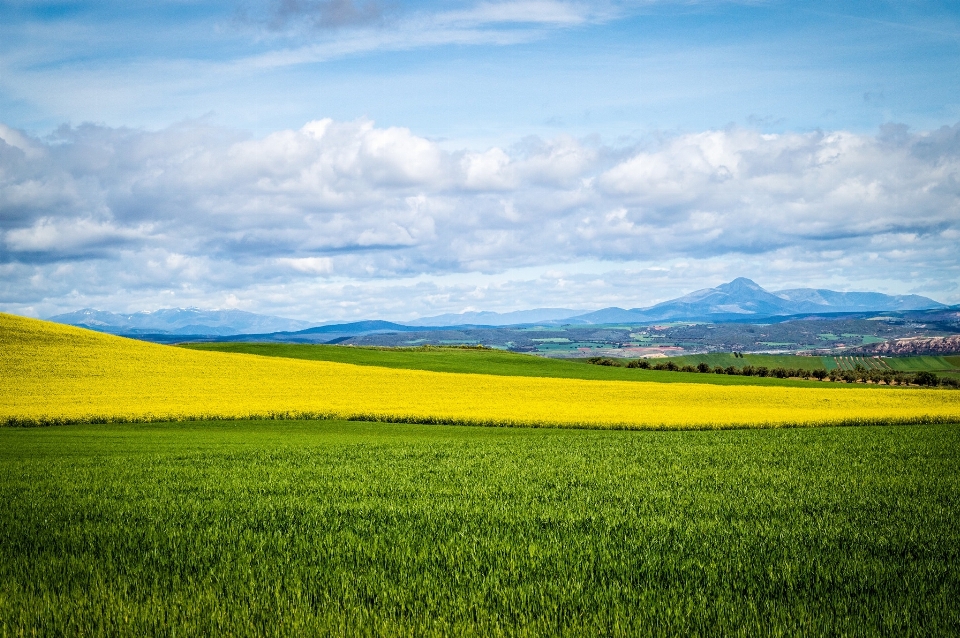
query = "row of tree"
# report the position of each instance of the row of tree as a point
(858, 375)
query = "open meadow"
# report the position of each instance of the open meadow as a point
(333, 528)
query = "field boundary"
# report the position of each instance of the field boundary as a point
(52, 421)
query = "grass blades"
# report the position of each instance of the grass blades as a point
(307, 528)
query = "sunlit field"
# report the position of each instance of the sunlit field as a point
(58, 374)
(162, 502)
(346, 528)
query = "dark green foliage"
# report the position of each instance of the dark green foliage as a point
(666, 365)
(604, 361)
(926, 378)
(854, 374)
(358, 529)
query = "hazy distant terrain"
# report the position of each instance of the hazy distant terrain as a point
(179, 321)
(817, 334)
(741, 300)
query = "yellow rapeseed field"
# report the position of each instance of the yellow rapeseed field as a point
(51, 373)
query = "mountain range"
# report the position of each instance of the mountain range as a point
(740, 300)
(744, 300)
(180, 321)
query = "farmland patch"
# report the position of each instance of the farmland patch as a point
(332, 528)
(61, 374)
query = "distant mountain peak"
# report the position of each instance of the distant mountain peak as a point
(740, 284)
(744, 298)
(739, 300)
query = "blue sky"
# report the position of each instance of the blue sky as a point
(327, 159)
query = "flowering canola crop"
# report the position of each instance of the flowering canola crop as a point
(51, 373)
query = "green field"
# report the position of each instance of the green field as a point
(942, 366)
(867, 363)
(333, 528)
(916, 364)
(499, 362)
(725, 359)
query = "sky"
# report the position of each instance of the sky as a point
(345, 159)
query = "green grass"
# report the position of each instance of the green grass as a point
(850, 362)
(725, 359)
(332, 528)
(926, 362)
(499, 362)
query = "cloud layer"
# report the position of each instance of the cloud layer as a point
(342, 219)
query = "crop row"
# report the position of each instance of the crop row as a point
(861, 363)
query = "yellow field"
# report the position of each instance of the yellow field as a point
(57, 374)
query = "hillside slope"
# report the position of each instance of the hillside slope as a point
(58, 374)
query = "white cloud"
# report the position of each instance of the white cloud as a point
(195, 212)
(309, 265)
(18, 140)
(67, 237)
(504, 22)
(547, 12)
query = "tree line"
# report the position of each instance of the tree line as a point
(858, 375)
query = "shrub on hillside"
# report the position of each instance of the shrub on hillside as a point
(925, 378)
(603, 361)
(666, 365)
